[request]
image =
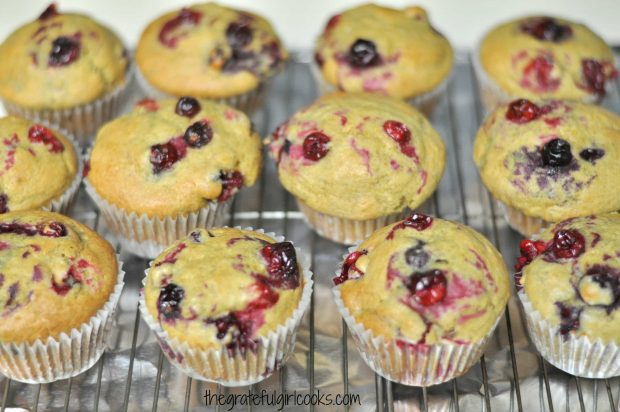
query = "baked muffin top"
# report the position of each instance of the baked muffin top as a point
(383, 50)
(36, 164)
(224, 288)
(425, 280)
(173, 156)
(358, 155)
(208, 50)
(60, 60)
(547, 58)
(571, 276)
(551, 160)
(55, 274)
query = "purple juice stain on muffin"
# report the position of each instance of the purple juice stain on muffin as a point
(551, 162)
(592, 154)
(231, 181)
(13, 290)
(49, 12)
(185, 18)
(363, 54)
(569, 318)
(547, 29)
(198, 134)
(4, 203)
(197, 237)
(281, 265)
(417, 221)
(37, 273)
(171, 257)
(538, 74)
(52, 229)
(593, 76)
(169, 302)
(65, 50)
(416, 256)
(187, 107)
(349, 269)
(41, 134)
(72, 277)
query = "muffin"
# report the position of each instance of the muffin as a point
(550, 161)
(421, 297)
(64, 69)
(569, 282)
(42, 169)
(225, 304)
(540, 57)
(180, 162)
(59, 285)
(356, 161)
(383, 50)
(210, 51)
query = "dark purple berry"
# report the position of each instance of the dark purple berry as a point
(187, 106)
(556, 153)
(198, 134)
(363, 53)
(547, 29)
(282, 265)
(169, 301)
(593, 76)
(591, 154)
(238, 34)
(65, 50)
(50, 12)
(4, 203)
(164, 156)
(569, 317)
(416, 256)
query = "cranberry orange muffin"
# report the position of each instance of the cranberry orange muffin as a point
(40, 167)
(210, 51)
(383, 50)
(221, 299)
(64, 68)
(356, 161)
(550, 161)
(180, 162)
(421, 297)
(569, 281)
(541, 57)
(59, 283)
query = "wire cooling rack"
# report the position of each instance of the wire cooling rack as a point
(133, 374)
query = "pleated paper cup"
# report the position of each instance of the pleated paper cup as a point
(64, 356)
(237, 367)
(492, 95)
(577, 355)
(81, 121)
(526, 225)
(147, 236)
(410, 363)
(247, 102)
(425, 102)
(64, 202)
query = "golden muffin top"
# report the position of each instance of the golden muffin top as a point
(383, 50)
(60, 60)
(37, 164)
(541, 57)
(172, 156)
(55, 274)
(358, 155)
(553, 160)
(425, 280)
(210, 51)
(224, 288)
(571, 276)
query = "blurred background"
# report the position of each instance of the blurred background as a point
(299, 22)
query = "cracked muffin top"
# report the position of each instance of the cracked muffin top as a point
(173, 156)
(379, 49)
(37, 164)
(358, 155)
(60, 60)
(55, 274)
(425, 280)
(224, 287)
(211, 51)
(571, 276)
(552, 160)
(541, 57)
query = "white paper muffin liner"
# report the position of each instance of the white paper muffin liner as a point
(81, 121)
(492, 95)
(411, 364)
(238, 369)
(247, 102)
(526, 225)
(425, 102)
(66, 356)
(577, 355)
(147, 236)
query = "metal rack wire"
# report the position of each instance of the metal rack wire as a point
(134, 374)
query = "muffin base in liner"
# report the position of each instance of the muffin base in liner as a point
(247, 102)
(526, 225)
(576, 355)
(64, 202)
(425, 102)
(147, 236)
(66, 356)
(81, 121)
(492, 95)
(240, 368)
(349, 231)
(410, 363)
